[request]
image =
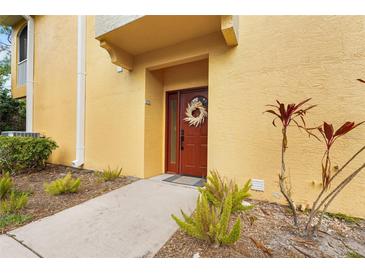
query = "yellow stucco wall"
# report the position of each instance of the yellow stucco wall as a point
(154, 124)
(278, 57)
(114, 112)
(55, 68)
(192, 74)
(288, 58)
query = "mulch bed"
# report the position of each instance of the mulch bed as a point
(267, 231)
(41, 204)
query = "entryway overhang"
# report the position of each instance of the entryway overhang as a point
(10, 20)
(125, 37)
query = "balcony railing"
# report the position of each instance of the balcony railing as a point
(22, 73)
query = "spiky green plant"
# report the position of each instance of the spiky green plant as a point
(63, 185)
(13, 204)
(217, 189)
(6, 183)
(109, 174)
(210, 222)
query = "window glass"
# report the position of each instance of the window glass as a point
(23, 36)
(172, 126)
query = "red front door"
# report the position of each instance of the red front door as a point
(187, 132)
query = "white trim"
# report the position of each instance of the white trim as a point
(29, 84)
(81, 79)
(21, 73)
(21, 62)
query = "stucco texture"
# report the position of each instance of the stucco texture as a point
(55, 69)
(289, 58)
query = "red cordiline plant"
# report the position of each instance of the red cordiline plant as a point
(291, 114)
(329, 137)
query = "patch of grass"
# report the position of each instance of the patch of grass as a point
(13, 204)
(63, 185)
(344, 217)
(109, 174)
(354, 254)
(13, 219)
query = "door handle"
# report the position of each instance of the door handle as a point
(182, 139)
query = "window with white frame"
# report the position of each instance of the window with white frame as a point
(22, 56)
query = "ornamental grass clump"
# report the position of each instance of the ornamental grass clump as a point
(210, 223)
(11, 200)
(217, 189)
(63, 185)
(14, 203)
(109, 174)
(6, 184)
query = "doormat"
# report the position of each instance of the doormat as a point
(185, 180)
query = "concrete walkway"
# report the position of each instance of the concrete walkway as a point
(133, 221)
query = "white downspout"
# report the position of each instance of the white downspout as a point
(30, 67)
(80, 104)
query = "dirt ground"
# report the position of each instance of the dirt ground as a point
(267, 231)
(41, 204)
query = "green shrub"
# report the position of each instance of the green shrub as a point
(14, 203)
(63, 185)
(12, 219)
(109, 174)
(217, 189)
(21, 153)
(210, 223)
(6, 183)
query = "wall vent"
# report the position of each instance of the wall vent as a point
(258, 185)
(20, 133)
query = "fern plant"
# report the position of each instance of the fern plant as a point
(63, 185)
(15, 202)
(109, 174)
(210, 223)
(217, 189)
(6, 183)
